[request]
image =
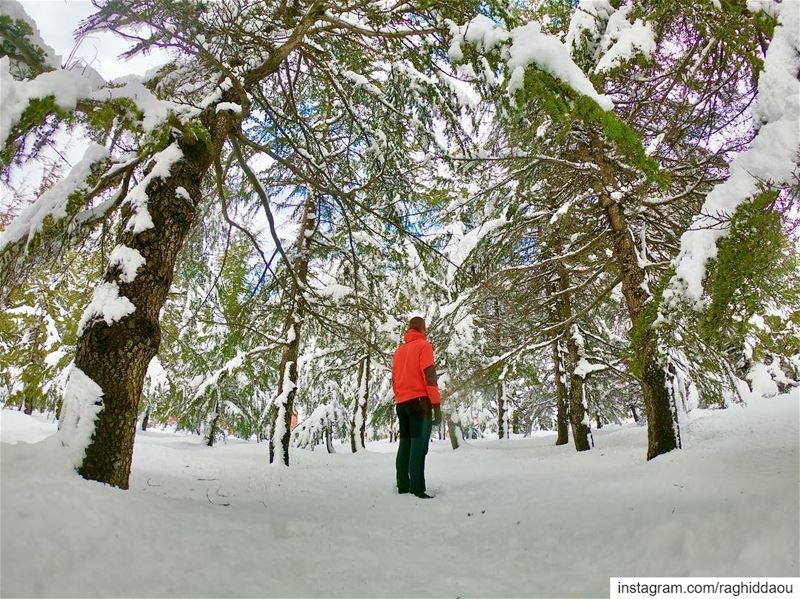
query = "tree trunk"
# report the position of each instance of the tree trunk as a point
(329, 440)
(212, 427)
(598, 421)
(634, 414)
(663, 434)
(562, 409)
(358, 423)
(282, 407)
(146, 420)
(116, 356)
(455, 440)
(581, 433)
(502, 433)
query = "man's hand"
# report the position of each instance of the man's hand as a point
(437, 415)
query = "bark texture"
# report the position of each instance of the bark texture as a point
(562, 407)
(455, 438)
(662, 427)
(502, 428)
(581, 434)
(116, 356)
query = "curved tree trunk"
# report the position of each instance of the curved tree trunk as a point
(115, 356)
(663, 434)
(111, 359)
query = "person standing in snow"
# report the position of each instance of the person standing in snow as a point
(417, 399)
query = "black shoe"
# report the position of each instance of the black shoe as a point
(423, 495)
(402, 492)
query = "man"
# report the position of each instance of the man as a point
(418, 402)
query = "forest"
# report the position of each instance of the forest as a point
(213, 244)
(593, 204)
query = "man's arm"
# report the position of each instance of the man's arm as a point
(432, 384)
(426, 362)
(432, 387)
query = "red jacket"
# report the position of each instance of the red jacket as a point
(413, 372)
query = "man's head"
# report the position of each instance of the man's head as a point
(417, 323)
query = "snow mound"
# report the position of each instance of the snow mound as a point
(333, 525)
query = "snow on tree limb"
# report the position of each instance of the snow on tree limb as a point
(623, 39)
(66, 87)
(137, 198)
(466, 244)
(522, 47)
(53, 203)
(14, 11)
(128, 260)
(771, 159)
(107, 304)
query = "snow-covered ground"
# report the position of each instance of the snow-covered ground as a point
(512, 518)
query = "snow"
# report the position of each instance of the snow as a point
(466, 244)
(761, 381)
(623, 39)
(332, 525)
(280, 401)
(15, 10)
(107, 304)
(66, 87)
(772, 156)
(585, 21)
(137, 197)
(771, 7)
(154, 111)
(529, 45)
(335, 291)
(584, 368)
(53, 202)
(16, 426)
(359, 80)
(228, 106)
(484, 33)
(83, 401)
(216, 94)
(532, 46)
(128, 260)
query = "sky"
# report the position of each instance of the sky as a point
(57, 20)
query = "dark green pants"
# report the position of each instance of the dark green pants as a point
(415, 418)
